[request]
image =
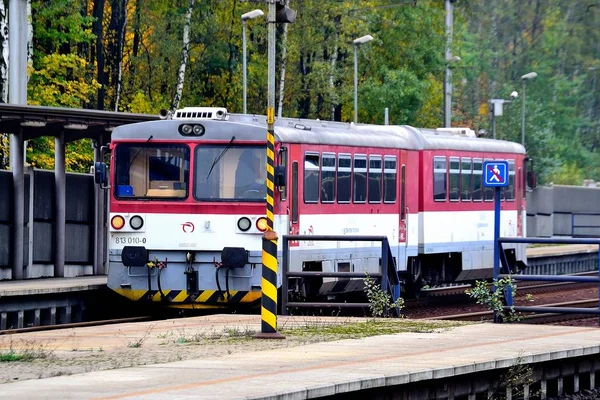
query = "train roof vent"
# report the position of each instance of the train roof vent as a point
(458, 131)
(218, 113)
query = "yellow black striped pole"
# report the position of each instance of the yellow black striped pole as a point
(268, 312)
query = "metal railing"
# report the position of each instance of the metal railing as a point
(552, 278)
(390, 281)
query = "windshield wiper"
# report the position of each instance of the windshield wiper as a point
(218, 158)
(136, 155)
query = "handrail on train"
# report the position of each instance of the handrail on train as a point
(388, 270)
(553, 278)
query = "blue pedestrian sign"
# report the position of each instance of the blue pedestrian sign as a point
(495, 173)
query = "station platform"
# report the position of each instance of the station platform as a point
(349, 368)
(30, 287)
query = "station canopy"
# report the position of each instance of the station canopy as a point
(37, 121)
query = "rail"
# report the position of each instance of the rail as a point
(387, 271)
(554, 278)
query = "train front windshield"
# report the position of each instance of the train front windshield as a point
(162, 171)
(152, 171)
(230, 173)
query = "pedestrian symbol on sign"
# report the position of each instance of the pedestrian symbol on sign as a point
(495, 173)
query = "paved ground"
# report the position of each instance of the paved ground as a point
(320, 368)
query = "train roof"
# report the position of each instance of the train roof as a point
(295, 130)
(434, 139)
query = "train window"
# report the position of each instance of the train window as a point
(439, 178)
(295, 191)
(150, 170)
(488, 191)
(328, 178)
(375, 177)
(477, 179)
(466, 175)
(389, 179)
(360, 179)
(510, 189)
(454, 179)
(344, 179)
(230, 173)
(311, 178)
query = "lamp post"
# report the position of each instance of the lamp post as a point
(524, 79)
(497, 111)
(357, 42)
(245, 17)
(448, 90)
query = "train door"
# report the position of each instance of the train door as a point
(403, 213)
(294, 206)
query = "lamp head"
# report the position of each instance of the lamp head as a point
(362, 40)
(530, 75)
(252, 14)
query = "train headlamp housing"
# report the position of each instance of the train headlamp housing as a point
(244, 224)
(136, 222)
(117, 222)
(191, 129)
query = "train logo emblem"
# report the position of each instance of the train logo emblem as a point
(495, 173)
(188, 227)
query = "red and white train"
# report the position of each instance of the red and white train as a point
(187, 204)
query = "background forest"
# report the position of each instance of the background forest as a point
(134, 55)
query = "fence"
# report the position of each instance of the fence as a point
(553, 278)
(387, 265)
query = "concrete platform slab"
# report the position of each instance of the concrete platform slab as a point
(323, 369)
(51, 285)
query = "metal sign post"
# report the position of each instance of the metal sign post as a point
(268, 312)
(495, 174)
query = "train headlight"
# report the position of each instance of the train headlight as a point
(244, 224)
(198, 130)
(117, 222)
(262, 224)
(136, 222)
(186, 129)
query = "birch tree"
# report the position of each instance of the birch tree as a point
(184, 56)
(121, 45)
(283, 61)
(4, 139)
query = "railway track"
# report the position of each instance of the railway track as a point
(541, 318)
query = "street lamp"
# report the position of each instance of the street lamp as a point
(357, 42)
(524, 79)
(245, 17)
(497, 109)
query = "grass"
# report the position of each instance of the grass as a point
(24, 351)
(372, 327)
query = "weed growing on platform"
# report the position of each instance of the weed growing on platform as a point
(494, 300)
(373, 327)
(380, 302)
(24, 351)
(140, 341)
(515, 379)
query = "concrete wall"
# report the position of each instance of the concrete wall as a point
(40, 224)
(563, 211)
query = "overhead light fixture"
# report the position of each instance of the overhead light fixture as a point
(34, 124)
(76, 127)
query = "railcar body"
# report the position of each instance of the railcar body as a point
(187, 205)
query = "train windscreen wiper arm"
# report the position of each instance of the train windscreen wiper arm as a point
(218, 158)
